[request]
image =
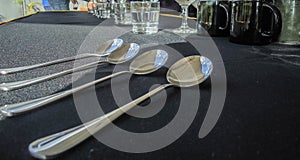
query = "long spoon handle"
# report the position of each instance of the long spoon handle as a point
(18, 108)
(55, 144)
(24, 68)
(20, 84)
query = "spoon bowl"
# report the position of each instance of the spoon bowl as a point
(123, 53)
(148, 62)
(189, 71)
(109, 46)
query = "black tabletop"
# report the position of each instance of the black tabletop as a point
(259, 120)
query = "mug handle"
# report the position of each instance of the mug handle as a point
(278, 21)
(226, 8)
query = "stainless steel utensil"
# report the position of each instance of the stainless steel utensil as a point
(102, 51)
(122, 54)
(146, 63)
(186, 72)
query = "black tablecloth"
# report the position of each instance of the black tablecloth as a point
(260, 118)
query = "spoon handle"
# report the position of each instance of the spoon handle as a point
(20, 84)
(55, 144)
(24, 68)
(18, 108)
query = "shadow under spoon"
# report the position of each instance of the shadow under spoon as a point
(145, 63)
(186, 72)
(102, 51)
(122, 54)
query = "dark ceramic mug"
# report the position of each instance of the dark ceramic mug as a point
(249, 23)
(213, 17)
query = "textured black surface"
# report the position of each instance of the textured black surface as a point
(260, 119)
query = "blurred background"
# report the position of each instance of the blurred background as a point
(10, 9)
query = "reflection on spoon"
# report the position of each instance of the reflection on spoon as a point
(102, 51)
(122, 54)
(146, 63)
(186, 72)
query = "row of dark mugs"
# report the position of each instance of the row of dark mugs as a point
(253, 22)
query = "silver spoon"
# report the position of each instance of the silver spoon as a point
(102, 51)
(122, 54)
(146, 63)
(186, 72)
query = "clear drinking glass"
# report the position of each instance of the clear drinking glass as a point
(94, 7)
(184, 28)
(144, 16)
(103, 8)
(121, 12)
